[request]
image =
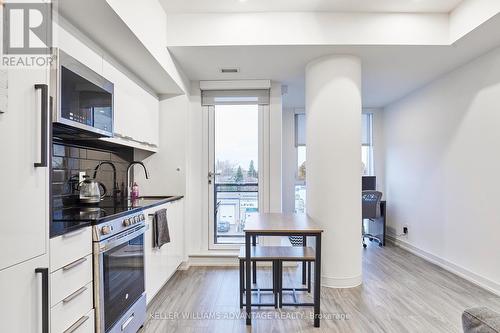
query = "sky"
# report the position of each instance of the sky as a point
(237, 134)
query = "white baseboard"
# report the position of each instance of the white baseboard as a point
(222, 260)
(349, 282)
(449, 266)
(212, 260)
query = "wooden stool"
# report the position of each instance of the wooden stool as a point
(258, 255)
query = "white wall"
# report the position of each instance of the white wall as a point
(442, 163)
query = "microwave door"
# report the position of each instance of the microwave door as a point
(83, 99)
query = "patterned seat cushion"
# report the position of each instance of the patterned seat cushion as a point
(480, 320)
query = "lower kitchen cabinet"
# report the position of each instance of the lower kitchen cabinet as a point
(71, 281)
(21, 304)
(85, 324)
(71, 309)
(161, 264)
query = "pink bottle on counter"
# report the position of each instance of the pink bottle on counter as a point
(134, 193)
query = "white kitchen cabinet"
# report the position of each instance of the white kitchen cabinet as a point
(161, 264)
(70, 247)
(21, 302)
(135, 110)
(71, 281)
(70, 278)
(67, 312)
(24, 198)
(77, 49)
(24, 201)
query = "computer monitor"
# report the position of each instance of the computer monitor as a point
(369, 183)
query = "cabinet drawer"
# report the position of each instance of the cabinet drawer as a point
(70, 247)
(86, 324)
(71, 309)
(70, 278)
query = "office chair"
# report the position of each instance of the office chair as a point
(370, 211)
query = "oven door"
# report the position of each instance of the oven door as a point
(120, 282)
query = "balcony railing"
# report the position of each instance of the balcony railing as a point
(234, 202)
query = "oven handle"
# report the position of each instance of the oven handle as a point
(117, 240)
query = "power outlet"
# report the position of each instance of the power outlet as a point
(81, 176)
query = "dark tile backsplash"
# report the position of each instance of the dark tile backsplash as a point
(69, 160)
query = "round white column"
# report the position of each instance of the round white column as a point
(333, 116)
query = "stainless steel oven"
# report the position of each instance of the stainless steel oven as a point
(119, 292)
(82, 99)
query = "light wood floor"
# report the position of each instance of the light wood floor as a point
(400, 293)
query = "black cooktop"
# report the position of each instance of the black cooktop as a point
(72, 217)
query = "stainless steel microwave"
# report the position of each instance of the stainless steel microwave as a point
(82, 99)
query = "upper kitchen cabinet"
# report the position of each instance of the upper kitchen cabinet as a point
(77, 49)
(135, 111)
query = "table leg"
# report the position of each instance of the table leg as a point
(309, 277)
(242, 282)
(248, 286)
(317, 281)
(280, 283)
(254, 265)
(383, 212)
(304, 243)
(275, 283)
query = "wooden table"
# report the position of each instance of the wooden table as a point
(273, 224)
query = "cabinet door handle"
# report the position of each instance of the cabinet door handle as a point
(74, 264)
(45, 298)
(44, 125)
(74, 295)
(75, 326)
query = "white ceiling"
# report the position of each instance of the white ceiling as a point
(223, 6)
(389, 72)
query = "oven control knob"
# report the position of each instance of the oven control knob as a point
(142, 217)
(126, 222)
(137, 219)
(105, 230)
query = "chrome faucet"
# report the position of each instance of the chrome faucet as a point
(129, 185)
(116, 190)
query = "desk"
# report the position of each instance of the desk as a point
(271, 224)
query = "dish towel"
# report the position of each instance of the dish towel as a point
(161, 234)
